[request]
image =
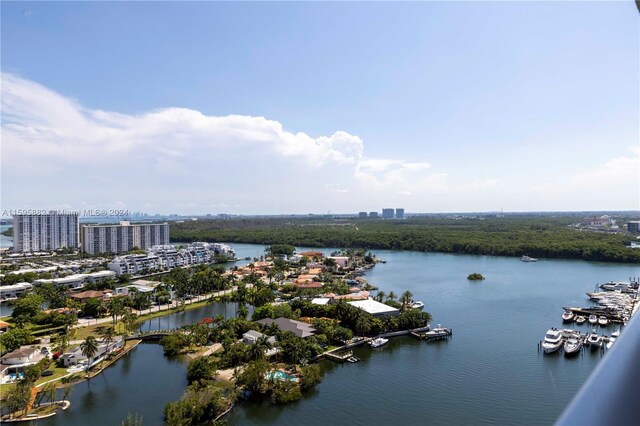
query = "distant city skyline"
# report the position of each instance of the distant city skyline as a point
(276, 108)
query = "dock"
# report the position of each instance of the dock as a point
(435, 334)
(339, 356)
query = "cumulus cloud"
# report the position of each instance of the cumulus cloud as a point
(221, 160)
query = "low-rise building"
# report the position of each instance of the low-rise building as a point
(298, 328)
(13, 291)
(76, 282)
(375, 308)
(76, 357)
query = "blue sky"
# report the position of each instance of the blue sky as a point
(314, 107)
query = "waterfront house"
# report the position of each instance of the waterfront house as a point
(375, 308)
(89, 294)
(252, 336)
(312, 284)
(23, 356)
(13, 291)
(13, 363)
(298, 328)
(75, 356)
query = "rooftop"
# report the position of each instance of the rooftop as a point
(373, 307)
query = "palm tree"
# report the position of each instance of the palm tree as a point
(391, 296)
(89, 348)
(363, 323)
(243, 311)
(380, 296)
(406, 298)
(259, 348)
(108, 336)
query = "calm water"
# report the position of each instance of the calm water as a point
(5, 241)
(490, 372)
(142, 382)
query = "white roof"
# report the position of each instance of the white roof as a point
(320, 300)
(373, 307)
(17, 286)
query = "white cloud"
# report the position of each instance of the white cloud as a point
(118, 159)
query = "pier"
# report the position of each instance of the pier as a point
(435, 334)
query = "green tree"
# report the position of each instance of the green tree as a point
(89, 348)
(28, 306)
(202, 368)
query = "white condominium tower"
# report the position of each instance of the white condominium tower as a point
(48, 231)
(123, 237)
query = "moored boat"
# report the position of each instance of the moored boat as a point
(416, 304)
(379, 341)
(603, 321)
(572, 346)
(593, 319)
(580, 320)
(568, 315)
(552, 341)
(594, 341)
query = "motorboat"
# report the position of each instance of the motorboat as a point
(580, 320)
(353, 359)
(528, 259)
(572, 346)
(568, 315)
(379, 341)
(603, 321)
(593, 319)
(416, 304)
(552, 341)
(568, 332)
(615, 334)
(610, 342)
(594, 341)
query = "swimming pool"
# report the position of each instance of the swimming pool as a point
(281, 375)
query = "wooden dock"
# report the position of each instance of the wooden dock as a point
(435, 334)
(339, 356)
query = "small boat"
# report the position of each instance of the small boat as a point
(528, 259)
(593, 319)
(610, 342)
(603, 321)
(594, 341)
(580, 320)
(572, 346)
(353, 359)
(568, 332)
(552, 341)
(416, 304)
(379, 341)
(615, 334)
(568, 315)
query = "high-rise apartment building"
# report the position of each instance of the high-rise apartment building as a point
(388, 213)
(399, 213)
(47, 231)
(123, 237)
(362, 215)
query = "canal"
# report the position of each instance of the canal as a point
(489, 372)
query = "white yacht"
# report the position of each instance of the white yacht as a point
(603, 321)
(552, 341)
(593, 319)
(594, 341)
(528, 259)
(568, 315)
(416, 304)
(379, 341)
(572, 346)
(580, 320)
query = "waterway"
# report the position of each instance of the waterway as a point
(489, 372)
(5, 242)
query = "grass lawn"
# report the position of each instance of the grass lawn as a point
(57, 373)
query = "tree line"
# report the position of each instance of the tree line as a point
(544, 237)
